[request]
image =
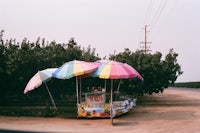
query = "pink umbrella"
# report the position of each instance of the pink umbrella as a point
(115, 70)
(39, 78)
(137, 75)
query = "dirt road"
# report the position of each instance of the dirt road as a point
(174, 111)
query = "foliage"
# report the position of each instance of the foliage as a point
(187, 84)
(158, 74)
(21, 60)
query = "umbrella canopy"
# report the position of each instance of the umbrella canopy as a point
(75, 68)
(39, 78)
(137, 75)
(116, 70)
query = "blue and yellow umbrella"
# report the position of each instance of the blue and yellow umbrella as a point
(75, 68)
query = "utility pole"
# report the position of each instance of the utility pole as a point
(146, 48)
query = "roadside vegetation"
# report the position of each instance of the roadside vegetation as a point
(187, 84)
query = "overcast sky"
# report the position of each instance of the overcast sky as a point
(111, 25)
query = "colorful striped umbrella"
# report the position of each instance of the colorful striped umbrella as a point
(75, 68)
(116, 70)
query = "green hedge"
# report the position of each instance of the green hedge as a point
(188, 84)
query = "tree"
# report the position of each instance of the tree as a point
(89, 54)
(157, 74)
(73, 50)
(21, 60)
(3, 73)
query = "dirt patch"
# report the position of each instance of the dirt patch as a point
(176, 110)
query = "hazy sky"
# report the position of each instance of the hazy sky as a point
(110, 25)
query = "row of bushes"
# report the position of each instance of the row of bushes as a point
(188, 84)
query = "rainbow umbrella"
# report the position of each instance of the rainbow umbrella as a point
(115, 70)
(75, 68)
(125, 71)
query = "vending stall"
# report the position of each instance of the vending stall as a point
(97, 105)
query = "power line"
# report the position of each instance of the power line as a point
(158, 13)
(149, 11)
(154, 12)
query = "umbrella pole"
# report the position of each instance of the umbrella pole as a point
(117, 94)
(105, 85)
(119, 85)
(51, 97)
(77, 97)
(111, 102)
(80, 90)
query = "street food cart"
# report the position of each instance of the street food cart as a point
(97, 105)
